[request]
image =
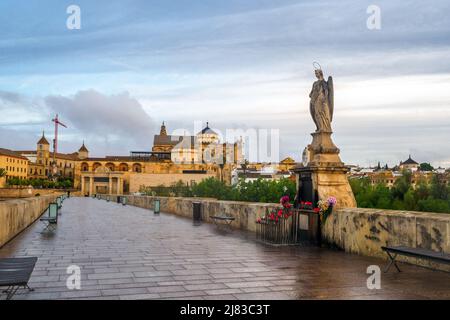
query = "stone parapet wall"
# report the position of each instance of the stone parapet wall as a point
(26, 192)
(365, 231)
(137, 180)
(18, 214)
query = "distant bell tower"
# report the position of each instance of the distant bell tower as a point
(43, 151)
(83, 152)
(163, 131)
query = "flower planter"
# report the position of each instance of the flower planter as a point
(302, 227)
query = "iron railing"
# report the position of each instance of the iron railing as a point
(302, 227)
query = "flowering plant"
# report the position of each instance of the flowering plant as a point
(276, 214)
(306, 205)
(325, 207)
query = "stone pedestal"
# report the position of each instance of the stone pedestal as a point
(325, 174)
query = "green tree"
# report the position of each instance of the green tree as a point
(422, 191)
(3, 172)
(211, 188)
(434, 205)
(402, 185)
(426, 167)
(430, 197)
(439, 188)
(410, 201)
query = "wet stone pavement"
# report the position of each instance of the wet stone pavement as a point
(129, 253)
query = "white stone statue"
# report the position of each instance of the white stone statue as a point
(322, 102)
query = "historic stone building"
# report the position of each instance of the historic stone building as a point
(41, 161)
(173, 158)
(15, 166)
(409, 164)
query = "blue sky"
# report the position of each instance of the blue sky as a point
(236, 64)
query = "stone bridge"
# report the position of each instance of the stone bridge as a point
(127, 252)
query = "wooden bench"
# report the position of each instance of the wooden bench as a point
(425, 254)
(222, 218)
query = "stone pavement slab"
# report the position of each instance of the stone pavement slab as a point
(126, 252)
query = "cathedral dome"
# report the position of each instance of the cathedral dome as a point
(208, 130)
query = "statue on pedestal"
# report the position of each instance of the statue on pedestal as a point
(322, 173)
(321, 107)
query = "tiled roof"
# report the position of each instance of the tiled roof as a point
(43, 140)
(83, 148)
(409, 161)
(10, 153)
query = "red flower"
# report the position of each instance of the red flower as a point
(280, 213)
(316, 210)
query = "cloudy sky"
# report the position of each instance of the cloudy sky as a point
(235, 63)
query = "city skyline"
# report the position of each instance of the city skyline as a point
(246, 65)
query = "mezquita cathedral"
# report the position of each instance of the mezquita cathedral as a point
(171, 159)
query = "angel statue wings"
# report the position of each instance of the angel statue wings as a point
(322, 102)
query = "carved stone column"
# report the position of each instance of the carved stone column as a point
(82, 185)
(91, 185)
(109, 185)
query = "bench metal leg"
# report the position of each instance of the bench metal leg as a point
(391, 262)
(49, 227)
(6, 290)
(29, 288)
(12, 290)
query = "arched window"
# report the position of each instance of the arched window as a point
(123, 167)
(96, 165)
(84, 167)
(137, 167)
(111, 166)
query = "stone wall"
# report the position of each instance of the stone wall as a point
(18, 214)
(355, 230)
(365, 231)
(166, 179)
(25, 192)
(245, 213)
